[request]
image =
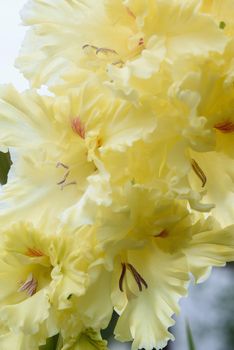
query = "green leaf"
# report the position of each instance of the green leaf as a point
(190, 337)
(51, 343)
(5, 164)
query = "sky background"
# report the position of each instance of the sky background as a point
(11, 36)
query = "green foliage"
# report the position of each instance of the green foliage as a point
(51, 343)
(5, 164)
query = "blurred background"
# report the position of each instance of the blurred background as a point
(209, 308)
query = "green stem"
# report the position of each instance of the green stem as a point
(59, 343)
(190, 337)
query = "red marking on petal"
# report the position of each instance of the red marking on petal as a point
(130, 13)
(225, 127)
(78, 127)
(163, 234)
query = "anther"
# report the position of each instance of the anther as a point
(68, 184)
(225, 127)
(90, 46)
(199, 172)
(138, 278)
(63, 182)
(141, 41)
(106, 51)
(59, 164)
(118, 63)
(122, 277)
(30, 285)
(64, 178)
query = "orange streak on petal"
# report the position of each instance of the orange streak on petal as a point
(34, 253)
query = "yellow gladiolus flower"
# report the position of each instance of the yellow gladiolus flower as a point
(68, 138)
(132, 40)
(42, 274)
(152, 250)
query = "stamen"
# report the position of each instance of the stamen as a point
(63, 183)
(106, 51)
(59, 164)
(122, 277)
(119, 63)
(199, 172)
(68, 184)
(34, 253)
(30, 285)
(138, 278)
(90, 46)
(225, 127)
(64, 178)
(78, 127)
